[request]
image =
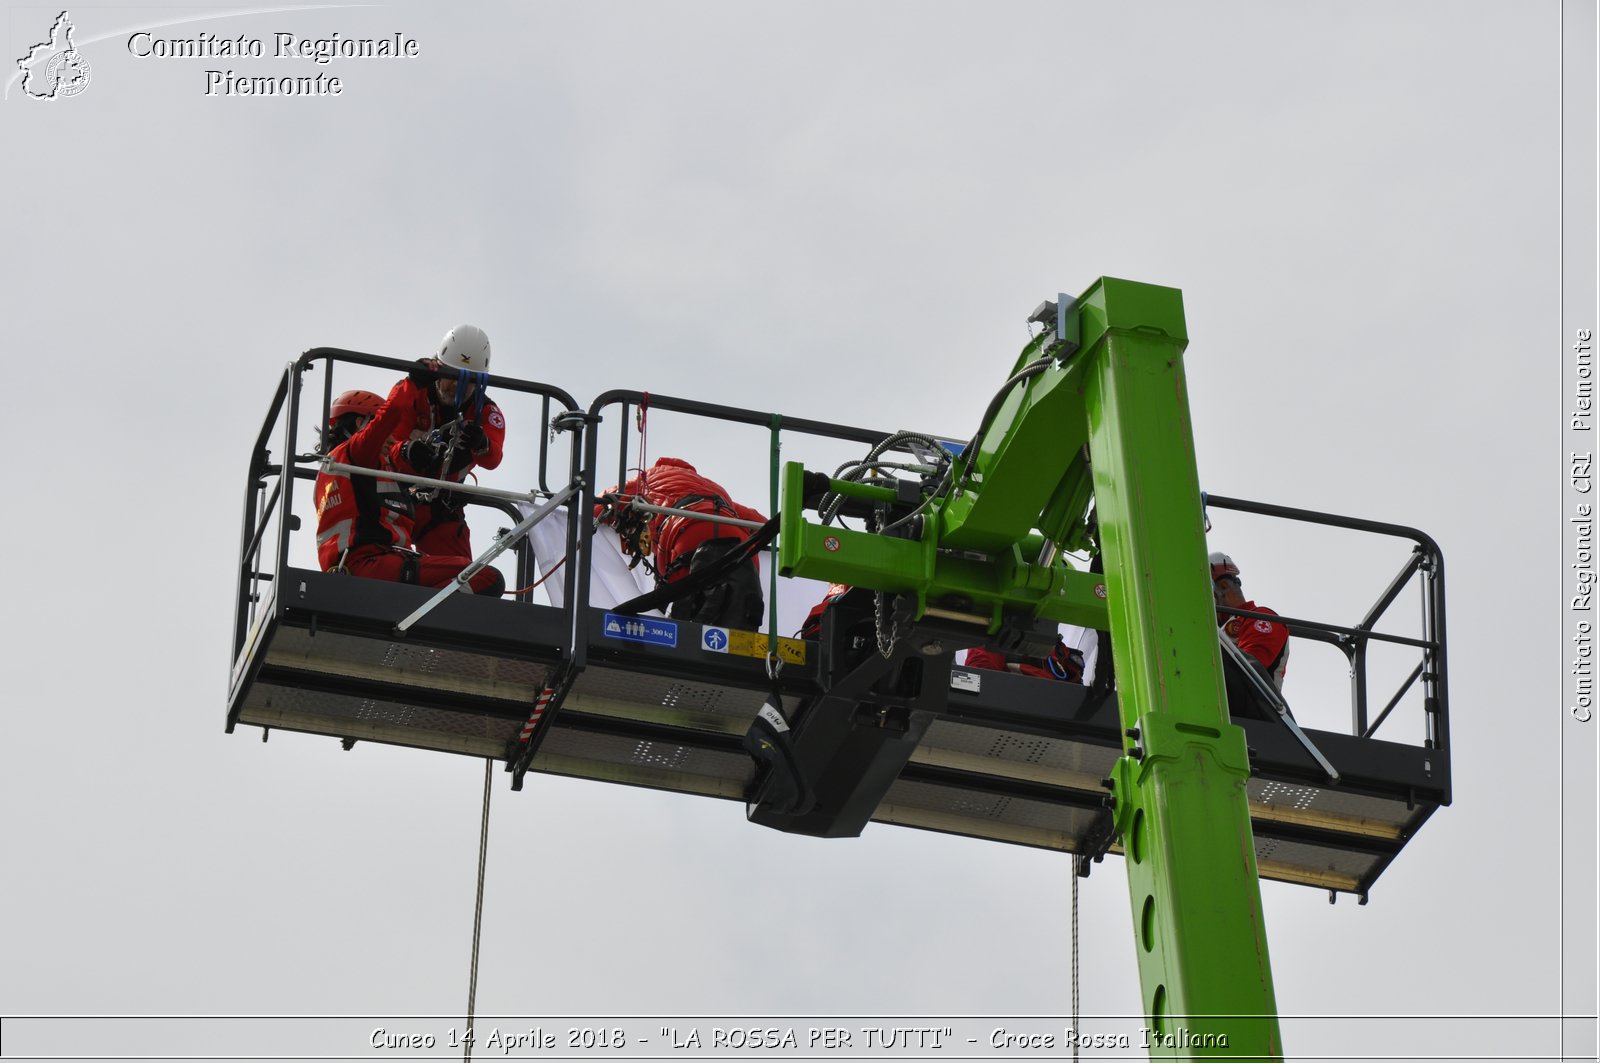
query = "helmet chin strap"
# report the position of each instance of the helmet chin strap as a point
(340, 431)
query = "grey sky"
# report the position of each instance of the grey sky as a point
(831, 210)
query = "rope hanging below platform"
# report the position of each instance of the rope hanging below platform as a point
(1075, 877)
(477, 911)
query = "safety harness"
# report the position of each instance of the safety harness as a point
(720, 506)
(449, 437)
(630, 526)
(667, 593)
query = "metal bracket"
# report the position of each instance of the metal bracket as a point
(1068, 326)
(1095, 842)
(571, 421)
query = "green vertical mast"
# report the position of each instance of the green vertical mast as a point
(1097, 409)
(1180, 797)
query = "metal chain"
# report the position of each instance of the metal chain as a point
(886, 632)
(477, 912)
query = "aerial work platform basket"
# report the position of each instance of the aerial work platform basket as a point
(559, 681)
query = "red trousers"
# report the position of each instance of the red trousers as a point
(438, 529)
(427, 570)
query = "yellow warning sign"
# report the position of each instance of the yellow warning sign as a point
(754, 644)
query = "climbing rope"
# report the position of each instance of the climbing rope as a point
(551, 571)
(477, 911)
(1075, 1030)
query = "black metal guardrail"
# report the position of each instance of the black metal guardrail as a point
(269, 492)
(1425, 561)
(628, 402)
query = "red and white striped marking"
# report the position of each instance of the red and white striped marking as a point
(538, 711)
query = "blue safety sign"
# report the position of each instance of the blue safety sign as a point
(655, 631)
(714, 639)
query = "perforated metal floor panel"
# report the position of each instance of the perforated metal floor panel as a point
(1055, 761)
(1312, 865)
(978, 814)
(406, 663)
(700, 706)
(660, 764)
(1328, 809)
(376, 720)
(1016, 763)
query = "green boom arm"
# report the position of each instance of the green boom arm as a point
(1106, 421)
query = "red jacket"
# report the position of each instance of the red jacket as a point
(428, 413)
(1068, 660)
(674, 482)
(1265, 640)
(368, 510)
(813, 621)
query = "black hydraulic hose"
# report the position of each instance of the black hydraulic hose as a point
(1032, 369)
(828, 507)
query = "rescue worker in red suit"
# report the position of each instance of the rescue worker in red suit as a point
(1064, 663)
(811, 627)
(364, 523)
(451, 409)
(1265, 640)
(685, 545)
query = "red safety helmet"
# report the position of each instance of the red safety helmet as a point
(1223, 567)
(363, 402)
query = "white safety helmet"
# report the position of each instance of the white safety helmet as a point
(1223, 566)
(465, 347)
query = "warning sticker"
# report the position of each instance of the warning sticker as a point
(754, 644)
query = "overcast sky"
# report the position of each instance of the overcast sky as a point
(832, 210)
